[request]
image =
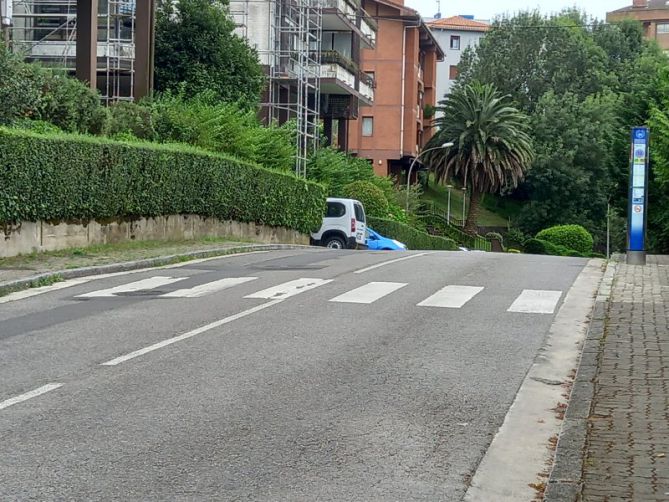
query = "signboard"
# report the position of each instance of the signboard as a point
(638, 190)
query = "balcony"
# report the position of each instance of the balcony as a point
(340, 75)
(368, 27)
(348, 15)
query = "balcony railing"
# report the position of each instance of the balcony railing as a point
(348, 8)
(366, 90)
(368, 28)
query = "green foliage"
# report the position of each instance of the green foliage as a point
(205, 122)
(570, 236)
(196, 51)
(658, 217)
(30, 92)
(412, 237)
(64, 177)
(513, 251)
(492, 147)
(495, 235)
(371, 196)
(583, 83)
(336, 169)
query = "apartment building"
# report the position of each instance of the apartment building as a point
(653, 14)
(454, 35)
(392, 130)
(310, 50)
(106, 43)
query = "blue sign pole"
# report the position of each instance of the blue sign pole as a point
(638, 197)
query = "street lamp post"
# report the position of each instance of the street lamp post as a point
(464, 204)
(413, 163)
(448, 213)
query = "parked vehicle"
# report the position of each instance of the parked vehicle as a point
(344, 225)
(378, 242)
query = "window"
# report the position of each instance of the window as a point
(455, 42)
(367, 126)
(663, 27)
(335, 210)
(452, 72)
(359, 213)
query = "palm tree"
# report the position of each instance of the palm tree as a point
(492, 148)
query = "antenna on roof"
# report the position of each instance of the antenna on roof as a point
(438, 14)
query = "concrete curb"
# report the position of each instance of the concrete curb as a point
(159, 261)
(565, 482)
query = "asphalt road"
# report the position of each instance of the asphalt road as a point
(284, 396)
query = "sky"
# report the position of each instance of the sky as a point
(487, 9)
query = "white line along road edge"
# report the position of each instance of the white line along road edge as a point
(29, 395)
(520, 450)
(189, 334)
(389, 262)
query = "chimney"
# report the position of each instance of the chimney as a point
(640, 4)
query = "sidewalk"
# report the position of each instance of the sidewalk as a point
(41, 269)
(626, 454)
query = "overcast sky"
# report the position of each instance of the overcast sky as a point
(487, 9)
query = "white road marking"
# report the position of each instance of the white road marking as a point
(189, 334)
(20, 295)
(29, 395)
(389, 262)
(369, 293)
(536, 301)
(453, 297)
(288, 289)
(144, 284)
(208, 288)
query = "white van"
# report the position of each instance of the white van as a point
(344, 225)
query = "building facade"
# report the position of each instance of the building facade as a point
(653, 14)
(106, 43)
(310, 50)
(454, 35)
(392, 130)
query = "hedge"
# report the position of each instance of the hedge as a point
(60, 177)
(413, 238)
(540, 246)
(372, 197)
(570, 236)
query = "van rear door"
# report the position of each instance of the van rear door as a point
(361, 224)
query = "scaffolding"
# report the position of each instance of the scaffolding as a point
(46, 30)
(287, 35)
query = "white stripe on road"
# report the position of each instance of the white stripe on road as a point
(288, 289)
(144, 284)
(389, 262)
(208, 288)
(536, 301)
(453, 297)
(190, 334)
(29, 395)
(369, 293)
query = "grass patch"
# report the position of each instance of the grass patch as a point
(495, 211)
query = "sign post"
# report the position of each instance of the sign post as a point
(638, 197)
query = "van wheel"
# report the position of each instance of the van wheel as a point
(335, 242)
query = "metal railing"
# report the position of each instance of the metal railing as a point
(438, 220)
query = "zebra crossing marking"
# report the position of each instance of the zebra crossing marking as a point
(369, 293)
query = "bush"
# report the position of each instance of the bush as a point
(65, 177)
(372, 198)
(540, 246)
(413, 238)
(28, 91)
(336, 169)
(130, 118)
(570, 236)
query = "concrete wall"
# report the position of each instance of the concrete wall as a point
(31, 237)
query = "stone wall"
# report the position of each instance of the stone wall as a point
(29, 237)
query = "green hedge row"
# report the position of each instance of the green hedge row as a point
(413, 238)
(570, 236)
(69, 177)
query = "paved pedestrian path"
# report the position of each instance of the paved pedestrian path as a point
(627, 449)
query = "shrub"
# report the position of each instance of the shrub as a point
(570, 236)
(540, 246)
(535, 246)
(495, 235)
(130, 118)
(513, 251)
(28, 91)
(371, 196)
(412, 237)
(336, 169)
(65, 177)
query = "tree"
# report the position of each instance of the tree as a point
(492, 147)
(196, 51)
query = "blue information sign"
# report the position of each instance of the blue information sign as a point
(638, 190)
